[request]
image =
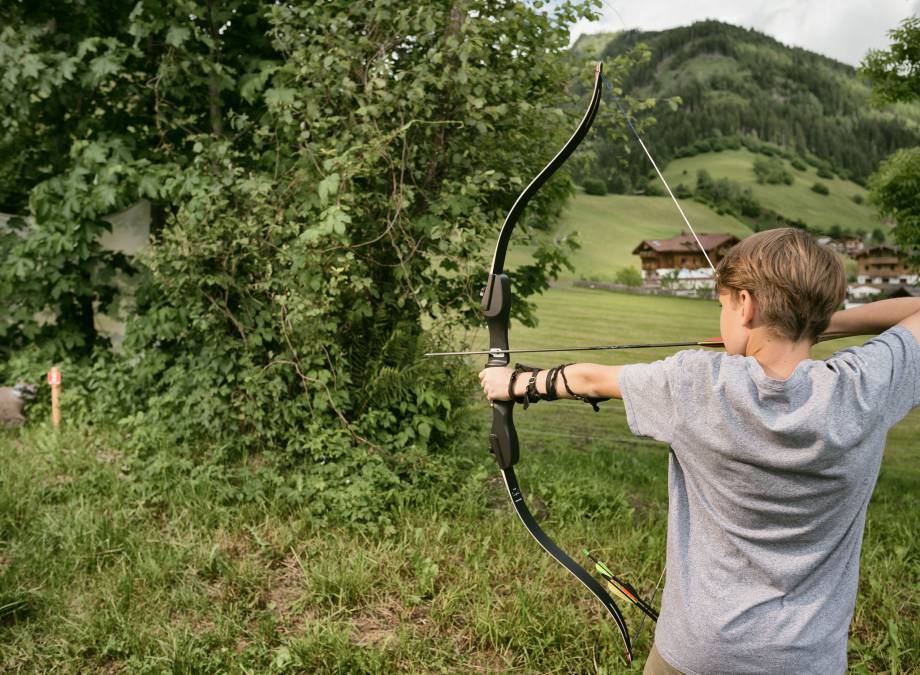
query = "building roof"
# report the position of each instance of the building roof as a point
(880, 250)
(685, 242)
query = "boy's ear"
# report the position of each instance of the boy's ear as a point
(748, 307)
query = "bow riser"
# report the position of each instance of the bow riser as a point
(496, 307)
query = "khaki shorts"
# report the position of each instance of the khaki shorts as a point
(655, 665)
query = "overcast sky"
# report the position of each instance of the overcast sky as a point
(842, 29)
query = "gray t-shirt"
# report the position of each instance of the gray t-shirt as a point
(768, 484)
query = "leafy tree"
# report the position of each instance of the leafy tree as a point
(681, 191)
(704, 181)
(747, 204)
(329, 178)
(771, 171)
(895, 77)
(895, 191)
(618, 183)
(893, 72)
(727, 196)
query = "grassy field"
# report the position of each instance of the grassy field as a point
(793, 201)
(102, 572)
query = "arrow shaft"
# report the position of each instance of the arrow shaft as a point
(715, 342)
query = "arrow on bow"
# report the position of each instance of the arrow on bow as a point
(708, 342)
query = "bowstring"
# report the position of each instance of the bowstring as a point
(648, 154)
(616, 101)
(652, 603)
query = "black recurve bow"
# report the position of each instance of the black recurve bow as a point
(496, 306)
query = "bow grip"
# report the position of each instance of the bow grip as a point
(496, 307)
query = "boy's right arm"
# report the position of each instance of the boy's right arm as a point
(875, 318)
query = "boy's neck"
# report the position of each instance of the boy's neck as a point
(776, 356)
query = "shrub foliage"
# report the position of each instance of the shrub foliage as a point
(327, 179)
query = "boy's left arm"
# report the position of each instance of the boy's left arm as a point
(589, 380)
(647, 389)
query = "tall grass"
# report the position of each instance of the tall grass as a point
(101, 572)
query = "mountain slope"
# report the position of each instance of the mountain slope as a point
(797, 202)
(738, 83)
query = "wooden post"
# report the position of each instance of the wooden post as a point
(54, 379)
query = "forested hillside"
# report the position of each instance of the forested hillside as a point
(740, 87)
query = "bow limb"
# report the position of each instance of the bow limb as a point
(496, 306)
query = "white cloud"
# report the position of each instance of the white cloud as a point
(842, 29)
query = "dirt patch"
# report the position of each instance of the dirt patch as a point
(107, 456)
(234, 545)
(378, 624)
(284, 596)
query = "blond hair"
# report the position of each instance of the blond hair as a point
(797, 283)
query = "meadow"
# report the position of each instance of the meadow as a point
(796, 201)
(609, 227)
(102, 572)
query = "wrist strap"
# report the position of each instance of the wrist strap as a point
(550, 384)
(587, 399)
(530, 393)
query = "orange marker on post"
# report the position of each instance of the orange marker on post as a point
(54, 379)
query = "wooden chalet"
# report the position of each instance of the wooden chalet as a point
(682, 252)
(884, 264)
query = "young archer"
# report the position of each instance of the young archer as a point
(774, 456)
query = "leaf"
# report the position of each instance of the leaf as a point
(95, 153)
(335, 219)
(176, 35)
(253, 83)
(327, 187)
(277, 97)
(103, 66)
(107, 195)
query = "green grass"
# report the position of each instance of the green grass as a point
(102, 572)
(793, 201)
(610, 227)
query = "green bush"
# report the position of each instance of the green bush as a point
(628, 276)
(726, 196)
(771, 171)
(595, 186)
(820, 188)
(618, 183)
(316, 232)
